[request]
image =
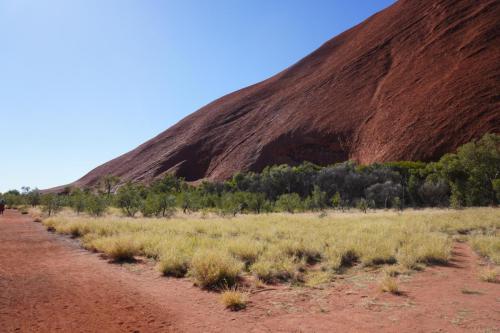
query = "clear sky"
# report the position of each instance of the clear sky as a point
(83, 81)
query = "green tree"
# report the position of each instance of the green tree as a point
(472, 171)
(33, 197)
(128, 198)
(362, 205)
(13, 198)
(189, 201)
(52, 203)
(95, 204)
(496, 188)
(257, 203)
(168, 184)
(158, 204)
(78, 200)
(108, 182)
(397, 204)
(318, 199)
(337, 201)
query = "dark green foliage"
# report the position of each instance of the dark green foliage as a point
(362, 205)
(496, 188)
(383, 194)
(469, 177)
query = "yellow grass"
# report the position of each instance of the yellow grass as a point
(488, 246)
(389, 284)
(214, 268)
(276, 247)
(233, 299)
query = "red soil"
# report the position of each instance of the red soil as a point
(49, 284)
(412, 82)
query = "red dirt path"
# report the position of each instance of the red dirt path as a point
(49, 284)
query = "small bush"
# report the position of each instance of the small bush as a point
(246, 250)
(390, 285)
(117, 248)
(173, 263)
(214, 269)
(233, 299)
(274, 269)
(392, 271)
(315, 279)
(289, 203)
(339, 256)
(96, 205)
(307, 250)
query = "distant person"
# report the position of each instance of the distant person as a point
(2, 206)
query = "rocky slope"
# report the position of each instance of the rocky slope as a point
(412, 82)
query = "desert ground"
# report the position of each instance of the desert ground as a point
(49, 283)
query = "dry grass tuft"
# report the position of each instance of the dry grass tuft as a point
(117, 248)
(173, 263)
(233, 299)
(487, 246)
(214, 269)
(390, 285)
(489, 274)
(318, 279)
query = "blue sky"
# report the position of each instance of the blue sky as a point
(83, 81)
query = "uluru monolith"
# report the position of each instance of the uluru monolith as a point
(412, 82)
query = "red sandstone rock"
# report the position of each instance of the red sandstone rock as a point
(412, 82)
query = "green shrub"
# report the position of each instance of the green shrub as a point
(96, 205)
(289, 203)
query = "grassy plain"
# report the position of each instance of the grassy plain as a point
(308, 248)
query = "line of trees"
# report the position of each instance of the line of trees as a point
(469, 177)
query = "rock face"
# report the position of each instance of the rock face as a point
(412, 82)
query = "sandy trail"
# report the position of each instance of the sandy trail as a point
(49, 284)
